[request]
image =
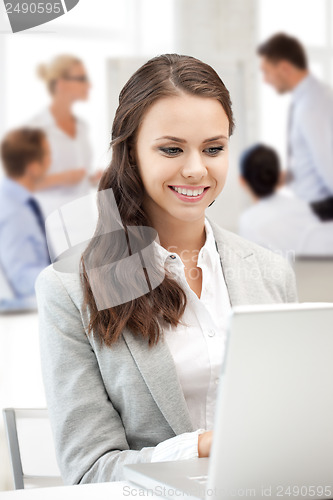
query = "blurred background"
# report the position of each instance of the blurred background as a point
(113, 39)
(117, 37)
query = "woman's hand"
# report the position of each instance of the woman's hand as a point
(204, 444)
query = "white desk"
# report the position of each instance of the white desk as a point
(102, 491)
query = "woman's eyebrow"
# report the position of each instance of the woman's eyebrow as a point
(212, 139)
(171, 138)
(178, 139)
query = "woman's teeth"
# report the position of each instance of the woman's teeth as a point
(188, 192)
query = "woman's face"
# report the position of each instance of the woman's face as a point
(76, 83)
(182, 156)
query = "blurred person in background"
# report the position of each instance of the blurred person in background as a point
(70, 174)
(310, 135)
(25, 155)
(276, 220)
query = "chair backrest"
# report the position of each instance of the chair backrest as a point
(317, 240)
(314, 278)
(31, 448)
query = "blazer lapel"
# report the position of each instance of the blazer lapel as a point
(240, 269)
(157, 367)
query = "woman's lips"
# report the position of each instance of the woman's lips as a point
(189, 199)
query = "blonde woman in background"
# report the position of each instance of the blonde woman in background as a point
(70, 173)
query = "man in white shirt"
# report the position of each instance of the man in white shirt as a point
(310, 135)
(277, 220)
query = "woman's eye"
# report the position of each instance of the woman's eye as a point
(214, 151)
(171, 151)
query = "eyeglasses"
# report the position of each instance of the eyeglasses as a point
(82, 78)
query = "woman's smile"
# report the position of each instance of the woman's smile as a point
(189, 194)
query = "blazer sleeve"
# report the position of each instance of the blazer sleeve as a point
(290, 287)
(89, 436)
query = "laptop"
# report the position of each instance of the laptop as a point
(273, 429)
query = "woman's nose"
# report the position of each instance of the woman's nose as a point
(194, 166)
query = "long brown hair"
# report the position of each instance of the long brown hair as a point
(162, 76)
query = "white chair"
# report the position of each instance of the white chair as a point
(317, 240)
(313, 264)
(31, 448)
(314, 278)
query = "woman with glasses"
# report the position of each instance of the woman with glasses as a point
(70, 174)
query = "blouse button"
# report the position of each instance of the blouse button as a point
(211, 333)
(173, 257)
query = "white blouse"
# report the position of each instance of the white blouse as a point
(197, 345)
(67, 153)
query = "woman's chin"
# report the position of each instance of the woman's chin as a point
(188, 216)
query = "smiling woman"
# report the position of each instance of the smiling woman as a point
(174, 167)
(137, 382)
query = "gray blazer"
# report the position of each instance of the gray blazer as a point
(111, 406)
